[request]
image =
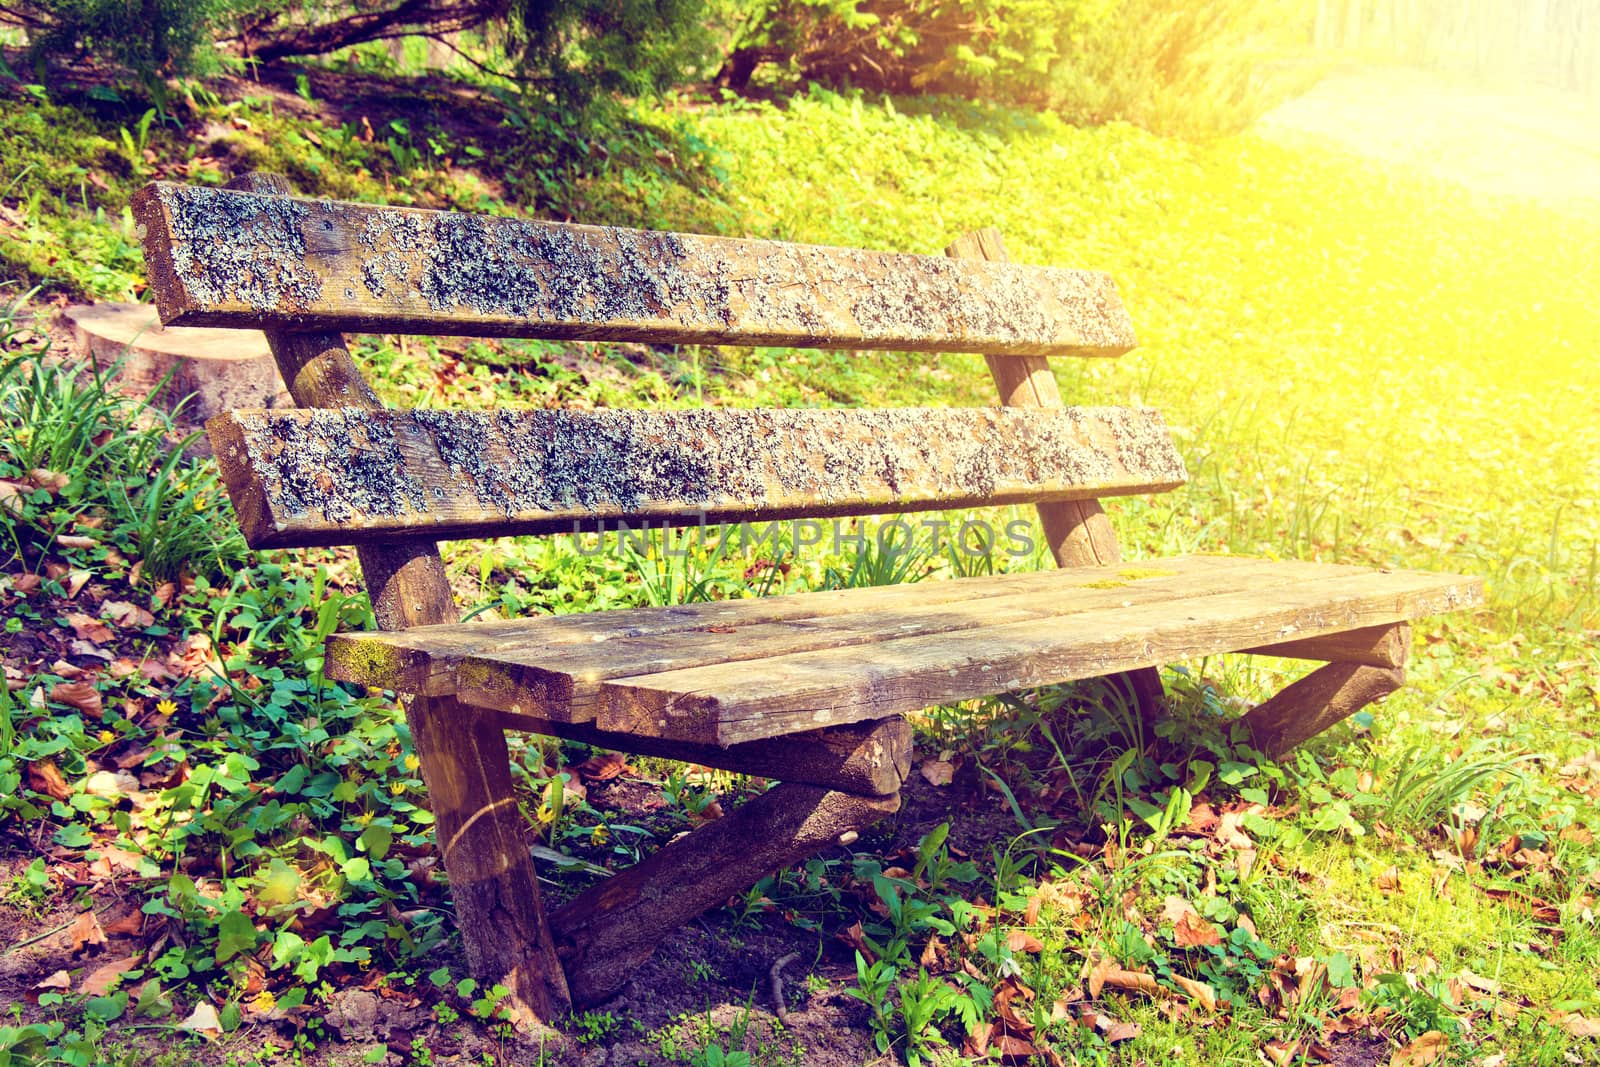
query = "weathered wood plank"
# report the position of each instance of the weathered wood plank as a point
(1077, 532)
(1322, 698)
(222, 258)
(563, 683)
(424, 659)
(302, 477)
(607, 932)
(734, 702)
(869, 758)
(1371, 646)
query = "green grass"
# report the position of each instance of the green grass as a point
(1360, 364)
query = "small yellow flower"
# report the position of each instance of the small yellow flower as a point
(598, 835)
(397, 788)
(106, 737)
(363, 818)
(412, 762)
(166, 707)
(546, 815)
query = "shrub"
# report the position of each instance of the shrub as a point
(151, 38)
(1167, 66)
(1177, 68)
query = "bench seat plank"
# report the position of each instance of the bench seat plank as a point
(303, 477)
(731, 702)
(425, 659)
(221, 257)
(745, 670)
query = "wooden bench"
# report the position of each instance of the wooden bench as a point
(810, 689)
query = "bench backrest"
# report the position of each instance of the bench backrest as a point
(303, 269)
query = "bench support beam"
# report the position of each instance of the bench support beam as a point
(871, 758)
(606, 933)
(1078, 532)
(1319, 700)
(1370, 646)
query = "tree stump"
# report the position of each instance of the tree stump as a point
(216, 369)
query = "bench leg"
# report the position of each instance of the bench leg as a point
(1317, 701)
(468, 771)
(608, 931)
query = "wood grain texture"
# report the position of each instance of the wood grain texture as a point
(869, 758)
(1371, 646)
(225, 258)
(425, 659)
(302, 478)
(1077, 532)
(1322, 698)
(734, 702)
(609, 930)
(565, 683)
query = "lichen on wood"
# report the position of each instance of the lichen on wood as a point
(341, 475)
(227, 257)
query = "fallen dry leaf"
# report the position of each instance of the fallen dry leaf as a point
(110, 784)
(76, 541)
(127, 926)
(1481, 984)
(1424, 1050)
(1175, 908)
(45, 777)
(856, 938)
(1192, 931)
(1022, 941)
(85, 932)
(603, 767)
(79, 647)
(937, 771)
(59, 982)
(1579, 1025)
(89, 628)
(1110, 1029)
(1108, 973)
(1229, 832)
(1281, 1053)
(75, 582)
(1389, 880)
(81, 695)
(126, 614)
(203, 1021)
(45, 478)
(978, 1038)
(1244, 861)
(1199, 992)
(101, 979)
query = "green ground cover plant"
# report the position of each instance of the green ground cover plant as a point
(1361, 364)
